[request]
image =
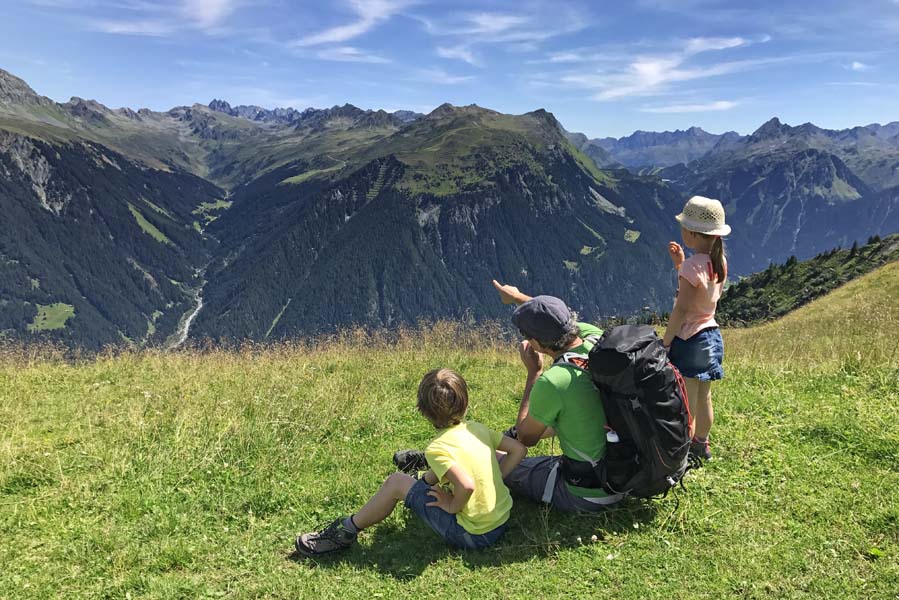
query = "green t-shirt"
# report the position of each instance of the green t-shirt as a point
(564, 398)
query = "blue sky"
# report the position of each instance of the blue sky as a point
(603, 68)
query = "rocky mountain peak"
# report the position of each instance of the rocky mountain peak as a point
(444, 110)
(343, 117)
(220, 106)
(15, 91)
(547, 117)
(89, 110)
(773, 128)
(80, 103)
(407, 116)
(808, 129)
(255, 113)
(447, 110)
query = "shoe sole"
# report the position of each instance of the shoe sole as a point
(409, 469)
(309, 553)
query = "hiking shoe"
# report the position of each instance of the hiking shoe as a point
(700, 450)
(332, 538)
(410, 461)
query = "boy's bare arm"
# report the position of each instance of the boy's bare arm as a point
(463, 488)
(515, 453)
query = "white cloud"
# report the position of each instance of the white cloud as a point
(649, 75)
(860, 66)
(350, 54)
(492, 23)
(163, 18)
(855, 83)
(518, 31)
(691, 108)
(440, 76)
(701, 44)
(564, 57)
(370, 14)
(147, 27)
(462, 53)
(208, 13)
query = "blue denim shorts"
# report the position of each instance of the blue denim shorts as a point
(700, 356)
(446, 524)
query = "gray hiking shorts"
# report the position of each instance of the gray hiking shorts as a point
(539, 479)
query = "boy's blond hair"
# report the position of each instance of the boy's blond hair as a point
(443, 397)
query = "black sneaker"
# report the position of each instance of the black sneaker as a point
(332, 538)
(700, 450)
(410, 461)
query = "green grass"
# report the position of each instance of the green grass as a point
(209, 212)
(588, 165)
(148, 227)
(631, 235)
(277, 318)
(307, 175)
(184, 475)
(51, 316)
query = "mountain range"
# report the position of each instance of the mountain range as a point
(251, 223)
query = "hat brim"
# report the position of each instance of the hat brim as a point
(706, 228)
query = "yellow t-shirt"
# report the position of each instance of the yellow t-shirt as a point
(472, 447)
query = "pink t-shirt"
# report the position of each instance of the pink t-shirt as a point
(698, 272)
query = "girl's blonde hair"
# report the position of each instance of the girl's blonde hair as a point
(717, 255)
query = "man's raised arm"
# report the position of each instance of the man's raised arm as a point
(509, 294)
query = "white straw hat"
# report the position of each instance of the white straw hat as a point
(703, 215)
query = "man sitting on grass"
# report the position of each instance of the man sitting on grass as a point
(559, 401)
(473, 512)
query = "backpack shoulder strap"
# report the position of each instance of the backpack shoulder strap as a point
(593, 338)
(572, 359)
(575, 359)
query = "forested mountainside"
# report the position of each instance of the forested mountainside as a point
(781, 288)
(95, 249)
(275, 223)
(464, 196)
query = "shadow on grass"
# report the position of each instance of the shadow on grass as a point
(405, 551)
(878, 451)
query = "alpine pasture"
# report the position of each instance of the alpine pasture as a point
(188, 474)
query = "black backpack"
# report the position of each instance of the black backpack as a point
(647, 414)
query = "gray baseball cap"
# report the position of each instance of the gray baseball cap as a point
(542, 318)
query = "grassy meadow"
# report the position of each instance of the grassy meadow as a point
(187, 475)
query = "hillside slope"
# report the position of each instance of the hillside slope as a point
(96, 249)
(855, 325)
(188, 474)
(780, 289)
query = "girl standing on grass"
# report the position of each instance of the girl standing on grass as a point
(692, 338)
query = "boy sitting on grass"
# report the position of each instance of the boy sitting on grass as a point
(473, 513)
